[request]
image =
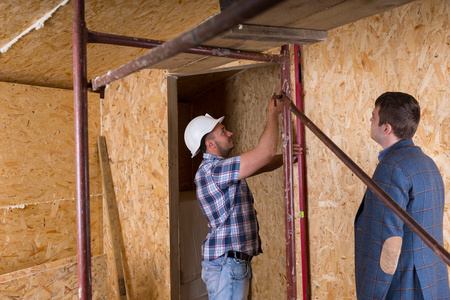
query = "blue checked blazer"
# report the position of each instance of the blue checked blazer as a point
(413, 180)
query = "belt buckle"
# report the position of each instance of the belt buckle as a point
(240, 255)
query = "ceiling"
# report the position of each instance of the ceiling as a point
(43, 57)
(191, 86)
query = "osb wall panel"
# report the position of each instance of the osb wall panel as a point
(37, 144)
(44, 232)
(37, 176)
(247, 96)
(135, 126)
(405, 49)
(55, 280)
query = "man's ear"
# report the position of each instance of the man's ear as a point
(388, 129)
(210, 144)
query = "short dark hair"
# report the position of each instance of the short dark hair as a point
(401, 111)
(203, 140)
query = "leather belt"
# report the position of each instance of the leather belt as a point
(239, 255)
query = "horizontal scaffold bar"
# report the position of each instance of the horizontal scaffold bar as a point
(111, 39)
(232, 16)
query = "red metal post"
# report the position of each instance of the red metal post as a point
(81, 151)
(303, 207)
(291, 275)
(237, 13)
(111, 39)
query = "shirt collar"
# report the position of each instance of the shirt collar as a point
(399, 144)
(211, 156)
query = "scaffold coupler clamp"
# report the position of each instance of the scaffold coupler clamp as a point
(280, 97)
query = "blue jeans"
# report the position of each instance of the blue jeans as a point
(227, 278)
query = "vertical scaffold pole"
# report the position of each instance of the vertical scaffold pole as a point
(306, 284)
(291, 276)
(81, 151)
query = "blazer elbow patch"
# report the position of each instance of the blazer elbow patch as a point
(390, 254)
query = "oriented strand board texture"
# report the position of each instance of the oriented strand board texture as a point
(22, 17)
(55, 280)
(45, 55)
(247, 96)
(406, 49)
(37, 176)
(135, 126)
(44, 232)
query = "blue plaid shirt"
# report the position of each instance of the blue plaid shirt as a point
(227, 204)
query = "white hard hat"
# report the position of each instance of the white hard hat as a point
(196, 129)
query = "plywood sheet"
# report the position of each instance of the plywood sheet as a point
(406, 50)
(57, 280)
(191, 62)
(208, 64)
(44, 232)
(114, 230)
(37, 175)
(323, 15)
(136, 129)
(22, 17)
(45, 55)
(247, 96)
(37, 144)
(317, 15)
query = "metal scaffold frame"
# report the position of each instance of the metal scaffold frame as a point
(301, 163)
(189, 42)
(291, 273)
(80, 89)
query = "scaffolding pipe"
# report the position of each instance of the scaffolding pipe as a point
(394, 206)
(232, 16)
(291, 274)
(303, 205)
(112, 39)
(81, 151)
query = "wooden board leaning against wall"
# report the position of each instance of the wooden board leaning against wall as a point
(406, 50)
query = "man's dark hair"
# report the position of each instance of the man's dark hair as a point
(401, 111)
(209, 135)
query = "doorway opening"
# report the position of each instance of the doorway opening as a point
(241, 95)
